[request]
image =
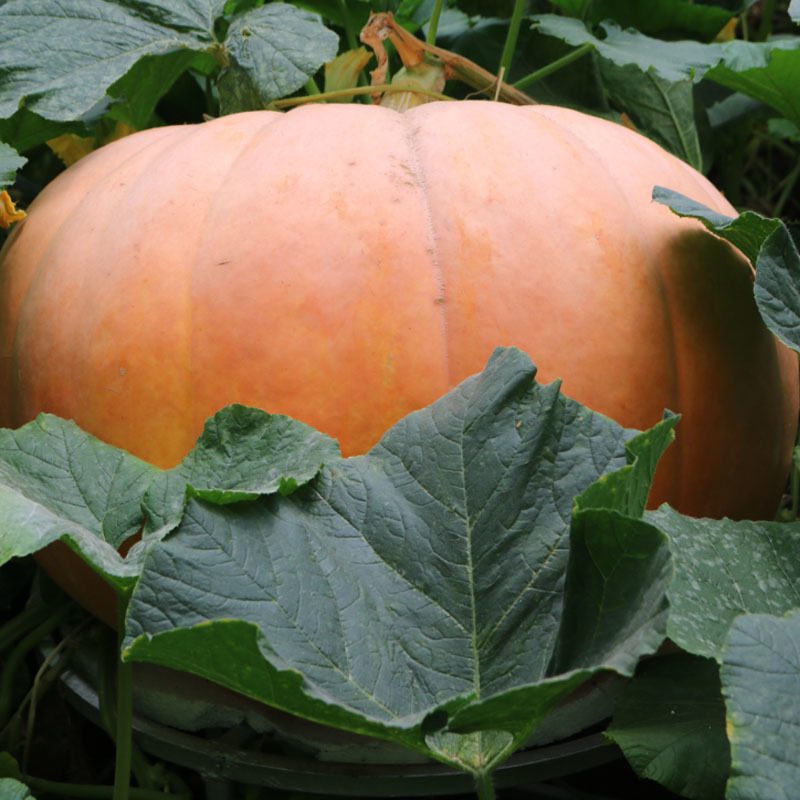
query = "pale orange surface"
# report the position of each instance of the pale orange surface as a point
(347, 264)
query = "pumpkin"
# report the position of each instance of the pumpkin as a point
(347, 264)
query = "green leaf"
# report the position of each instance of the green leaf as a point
(280, 47)
(661, 109)
(627, 489)
(140, 89)
(669, 722)
(196, 16)
(723, 569)
(60, 56)
(24, 130)
(670, 61)
(243, 453)
(237, 90)
(10, 162)
(616, 584)
(58, 482)
(761, 683)
(767, 71)
(671, 19)
(14, 790)
(771, 250)
(397, 591)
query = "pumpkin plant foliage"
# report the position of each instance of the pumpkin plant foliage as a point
(458, 662)
(377, 596)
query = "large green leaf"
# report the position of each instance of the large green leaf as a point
(243, 453)
(766, 71)
(670, 723)
(671, 61)
(60, 56)
(58, 482)
(671, 19)
(25, 130)
(723, 569)
(761, 683)
(771, 250)
(769, 73)
(415, 593)
(664, 110)
(279, 47)
(10, 162)
(137, 93)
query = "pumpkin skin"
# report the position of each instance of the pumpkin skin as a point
(347, 264)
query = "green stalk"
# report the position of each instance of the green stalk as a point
(765, 28)
(511, 38)
(18, 655)
(484, 786)
(433, 24)
(788, 185)
(311, 87)
(124, 737)
(350, 34)
(25, 621)
(556, 65)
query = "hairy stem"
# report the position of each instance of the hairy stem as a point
(433, 23)
(484, 786)
(511, 38)
(556, 65)
(124, 737)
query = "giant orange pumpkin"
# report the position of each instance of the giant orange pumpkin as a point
(348, 264)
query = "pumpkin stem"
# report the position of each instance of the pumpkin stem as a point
(429, 64)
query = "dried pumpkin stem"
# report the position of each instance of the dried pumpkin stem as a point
(412, 51)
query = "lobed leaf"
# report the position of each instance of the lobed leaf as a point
(766, 71)
(724, 569)
(672, 19)
(761, 682)
(413, 593)
(279, 47)
(242, 454)
(60, 56)
(58, 482)
(769, 72)
(771, 250)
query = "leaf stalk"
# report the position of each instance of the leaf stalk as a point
(554, 66)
